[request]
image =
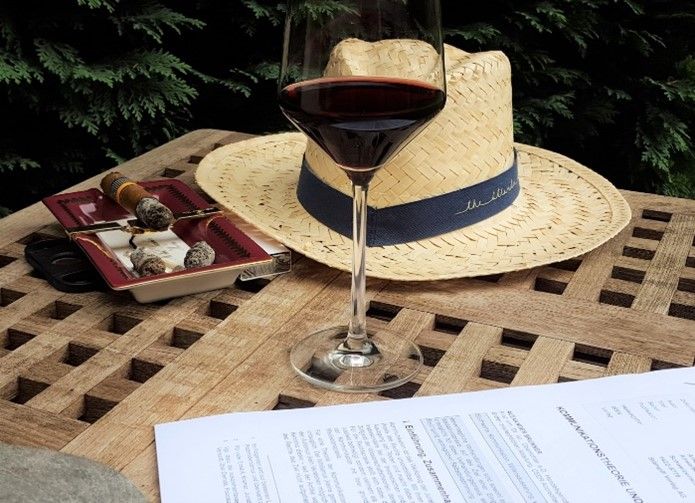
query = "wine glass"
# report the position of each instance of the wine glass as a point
(361, 81)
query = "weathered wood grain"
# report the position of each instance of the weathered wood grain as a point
(662, 275)
(91, 374)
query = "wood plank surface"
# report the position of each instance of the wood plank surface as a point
(90, 374)
(661, 277)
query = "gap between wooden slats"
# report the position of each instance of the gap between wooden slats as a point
(27, 305)
(63, 394)
(657, 336)
(463, 360)
(588, 280)
(173, 392)
(239, 390)
(58, 335)
(269, 363)
(544, 362)
(662, 275)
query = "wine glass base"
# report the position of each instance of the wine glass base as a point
(385, 361)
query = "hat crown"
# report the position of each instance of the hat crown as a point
(469, 142)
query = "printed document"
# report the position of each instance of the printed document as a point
(617, 439)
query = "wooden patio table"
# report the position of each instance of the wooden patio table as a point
(90, 374)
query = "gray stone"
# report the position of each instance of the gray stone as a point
(29, 475)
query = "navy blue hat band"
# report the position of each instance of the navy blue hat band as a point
(412, 221)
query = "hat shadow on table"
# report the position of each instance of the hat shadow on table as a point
(462, 199)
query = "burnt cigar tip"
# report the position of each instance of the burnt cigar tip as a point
(154, 214)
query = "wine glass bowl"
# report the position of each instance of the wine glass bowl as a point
(372, 98)
(361, 84)
(361, 122)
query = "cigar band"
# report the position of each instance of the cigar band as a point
(119, 189)
(115, 183)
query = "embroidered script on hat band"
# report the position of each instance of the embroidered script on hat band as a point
(473, 204)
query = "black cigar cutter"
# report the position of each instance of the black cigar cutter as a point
(63, 265)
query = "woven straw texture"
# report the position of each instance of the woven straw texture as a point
(564, 210)
(471, 140)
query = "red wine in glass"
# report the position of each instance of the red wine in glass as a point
(361, 122)
(342, 84)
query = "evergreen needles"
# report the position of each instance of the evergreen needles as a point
(89, 83)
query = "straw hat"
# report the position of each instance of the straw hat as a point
(555, 210)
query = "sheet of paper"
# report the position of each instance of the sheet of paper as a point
(617, 439)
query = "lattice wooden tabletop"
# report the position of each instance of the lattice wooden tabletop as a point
(91, 373)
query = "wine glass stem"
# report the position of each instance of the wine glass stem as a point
(357, 330)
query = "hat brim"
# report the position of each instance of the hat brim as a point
(564, 210)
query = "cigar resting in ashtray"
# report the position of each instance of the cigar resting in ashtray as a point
(152, 216)
(135, 226)
(137, 200)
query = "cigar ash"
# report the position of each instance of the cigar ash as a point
(154, 214)
(166, 245)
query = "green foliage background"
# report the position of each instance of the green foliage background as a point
(89, 83)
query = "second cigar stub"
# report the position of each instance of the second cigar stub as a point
(166, 245)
